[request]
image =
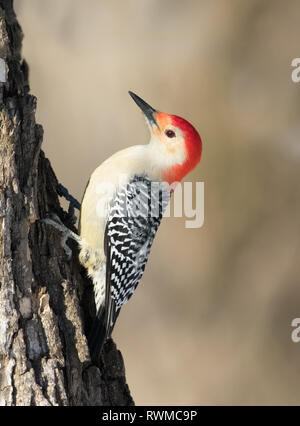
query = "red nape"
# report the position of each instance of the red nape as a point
(193, 146)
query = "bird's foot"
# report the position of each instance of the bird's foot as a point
(55, 221)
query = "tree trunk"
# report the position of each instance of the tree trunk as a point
(45, 299)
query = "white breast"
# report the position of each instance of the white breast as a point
(104, 182)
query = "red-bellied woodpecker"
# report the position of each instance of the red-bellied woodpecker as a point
(122, 208)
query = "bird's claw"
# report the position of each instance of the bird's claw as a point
(56, 222)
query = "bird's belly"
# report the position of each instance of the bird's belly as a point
(98, 277)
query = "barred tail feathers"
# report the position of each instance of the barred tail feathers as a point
(97, 334)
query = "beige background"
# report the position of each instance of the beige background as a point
(211, 320)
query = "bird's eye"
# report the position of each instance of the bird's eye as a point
(170, 133)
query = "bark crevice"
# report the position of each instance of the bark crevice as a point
(45, 299)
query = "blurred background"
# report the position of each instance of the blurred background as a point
(210, 322)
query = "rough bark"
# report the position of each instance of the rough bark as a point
(45, 303)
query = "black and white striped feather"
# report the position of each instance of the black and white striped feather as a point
(134, 217)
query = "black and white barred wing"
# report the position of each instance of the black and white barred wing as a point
(135, 214)
(134, 218)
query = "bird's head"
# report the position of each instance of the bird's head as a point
(176, 144)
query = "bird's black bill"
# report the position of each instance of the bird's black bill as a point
(147, 109)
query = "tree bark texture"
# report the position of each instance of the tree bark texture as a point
(45, 299)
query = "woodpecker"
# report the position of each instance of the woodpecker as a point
(122, 208)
